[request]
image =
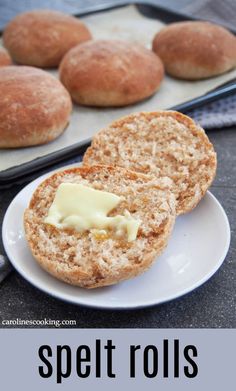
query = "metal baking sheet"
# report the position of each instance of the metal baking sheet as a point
(125, 23)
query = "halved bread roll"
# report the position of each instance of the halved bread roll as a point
(164, 143)
(87, 259)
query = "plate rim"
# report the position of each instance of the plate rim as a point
(113, 306)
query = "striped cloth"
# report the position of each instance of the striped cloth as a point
(219, 114)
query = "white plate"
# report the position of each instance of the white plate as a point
(196, 250)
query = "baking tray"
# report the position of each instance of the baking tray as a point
(12, 174)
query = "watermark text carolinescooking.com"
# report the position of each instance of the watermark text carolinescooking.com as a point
(38, 322)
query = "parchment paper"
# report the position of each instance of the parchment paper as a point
(127, 24)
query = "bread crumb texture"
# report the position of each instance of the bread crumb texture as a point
(164, 143)
(90, 260)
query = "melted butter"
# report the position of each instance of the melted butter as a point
(83, 208)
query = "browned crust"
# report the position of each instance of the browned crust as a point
(87, 271)
(5, 58)
(195, 50)
(34, 107)
(110, 73)
(42, 37)
(104, 150)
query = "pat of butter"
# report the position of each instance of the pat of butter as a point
(83, 208)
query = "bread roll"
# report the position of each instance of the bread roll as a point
(110, 73)
(90, 261)
(195, 50)
(164, 143)
(5, 59)
(41, 38)
(34, 107)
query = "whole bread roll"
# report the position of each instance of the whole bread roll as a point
(42, 37)
(5, 58)
(34, 107)
(92, 260)
(110, 73)
(195, 50)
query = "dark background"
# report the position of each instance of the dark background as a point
(213, 305)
